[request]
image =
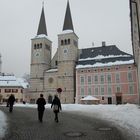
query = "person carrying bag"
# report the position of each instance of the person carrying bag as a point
(56, 105)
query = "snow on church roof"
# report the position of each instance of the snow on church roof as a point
(52, 70)
(66, 32)
(103, 56)
(41, 36)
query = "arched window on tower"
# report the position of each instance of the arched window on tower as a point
(40, 45)
(65, 42)
(68, 41)
(34, 46)
(37, 46)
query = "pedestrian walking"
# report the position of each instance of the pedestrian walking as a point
(56, 104)
(41, 107)
(10, 102)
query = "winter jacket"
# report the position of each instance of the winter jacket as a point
(41, 104)
(11, 100)
(57, 102)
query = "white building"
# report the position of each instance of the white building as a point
(9, 84)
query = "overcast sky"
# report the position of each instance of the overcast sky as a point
(93, 20)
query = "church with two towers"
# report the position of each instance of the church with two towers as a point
(47, 74)
(104, 72)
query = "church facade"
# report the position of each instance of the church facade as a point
(46, 74)
(105, 72)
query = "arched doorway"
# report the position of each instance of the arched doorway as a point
(49, 99)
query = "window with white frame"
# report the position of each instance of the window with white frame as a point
(118, 88)
(109, 89)
(109, 78)
(102, 90)
(130, 78)
(89, 91)
(82, 80)
(89, 80)
(131, 89)
(117, 77)
(96, 90)
(82, 91)
(102, 79)
(96, 79)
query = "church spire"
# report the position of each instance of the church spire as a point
(68, 25)
(42, 24)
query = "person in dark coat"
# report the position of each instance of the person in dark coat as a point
(11, 101)
(41, 107)
(56, 104)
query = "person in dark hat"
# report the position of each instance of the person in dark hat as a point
(41, 107)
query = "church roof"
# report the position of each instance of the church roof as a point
(68, 25)
(42, 24)
(103, 56)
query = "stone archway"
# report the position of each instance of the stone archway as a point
(50, 99)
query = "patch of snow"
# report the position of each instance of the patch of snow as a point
(89, 98)
(52, 70)
(103, 57)
(3, 124)
(41, 36)
(105, 64)
(66, 32)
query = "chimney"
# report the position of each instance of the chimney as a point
(103, 43)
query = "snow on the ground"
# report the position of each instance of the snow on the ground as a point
(3, 124)
(127, 116)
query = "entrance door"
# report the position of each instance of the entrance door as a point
(109, 100)
(118, 100)
(49, 99)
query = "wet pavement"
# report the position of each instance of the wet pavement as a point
(23, 124)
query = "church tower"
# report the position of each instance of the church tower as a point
(41, 50)
(67, 58)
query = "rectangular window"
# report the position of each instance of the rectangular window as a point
(82, 91)
(96, 79)
(109, 78)
(102, 90)
(131, 89)
(130, 79)
(7, 90)
(102, 79)
(82, 80)
(89, 80)
(96, 91)
(117, 77)
(89, 90)
(15, 90)
(109, 90)
(118, 88)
